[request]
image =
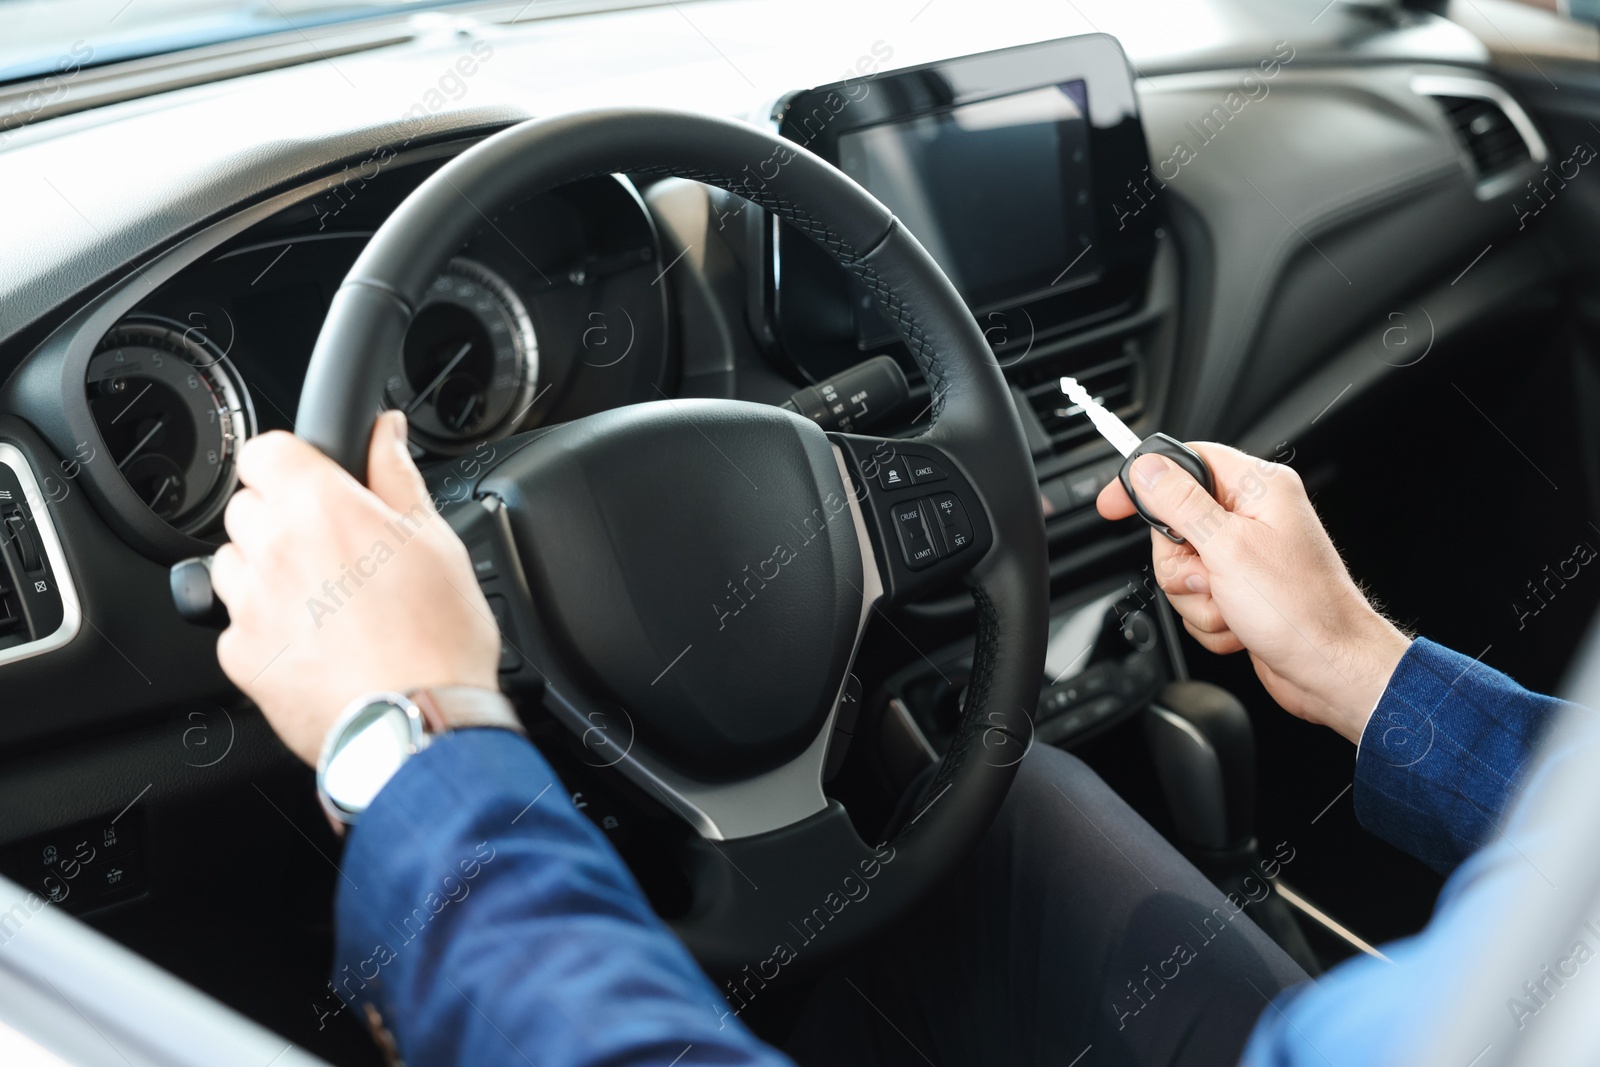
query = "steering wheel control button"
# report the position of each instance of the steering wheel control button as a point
(916, 545)
(953, 522)
(924, 471)
(892, 474)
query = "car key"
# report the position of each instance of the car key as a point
(1128, 443)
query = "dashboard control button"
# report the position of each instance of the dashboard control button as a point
(1142, 670)
(924, 471)
(1139, 631)
(892, 474)
(17, 529)
(1055, 497)
(953, 522)
(500, 608)
(916, 546)
(1057, 729)
(482, 554)
(1084, 486)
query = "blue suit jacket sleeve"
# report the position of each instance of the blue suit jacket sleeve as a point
(1443, 752)
(1468, 733)
(485, 921)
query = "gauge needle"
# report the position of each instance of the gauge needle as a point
(460, 420)
(162, 488)
(142, 442)
(448, 367)
(134, 401)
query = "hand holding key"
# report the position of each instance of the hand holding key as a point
(1258, 572)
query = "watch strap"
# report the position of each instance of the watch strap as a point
(465, 707)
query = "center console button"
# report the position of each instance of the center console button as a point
(1055, 497)
(1083, 487)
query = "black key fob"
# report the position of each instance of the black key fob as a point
(1179, 453)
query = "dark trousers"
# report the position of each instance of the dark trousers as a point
(1076, 937)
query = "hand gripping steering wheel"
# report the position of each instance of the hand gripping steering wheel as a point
(710, 565)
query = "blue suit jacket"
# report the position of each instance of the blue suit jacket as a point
(560, 962)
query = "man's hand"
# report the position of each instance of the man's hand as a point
(1259, 573)
(336, 591)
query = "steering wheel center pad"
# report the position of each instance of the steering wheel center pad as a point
(632, 525)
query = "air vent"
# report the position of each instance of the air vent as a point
(1486, 132)
(11, 618)
(1113, 379)
(1491, 126)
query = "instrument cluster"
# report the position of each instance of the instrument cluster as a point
(523, 327)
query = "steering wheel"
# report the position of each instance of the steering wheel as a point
(710, 565)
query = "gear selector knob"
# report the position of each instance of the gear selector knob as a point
(1205, 754)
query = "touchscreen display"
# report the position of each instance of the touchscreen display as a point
(998, 191)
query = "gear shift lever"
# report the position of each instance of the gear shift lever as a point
(1205, 753)
(1204, 749)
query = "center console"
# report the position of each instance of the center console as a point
(1026, 175)
(1113, 646)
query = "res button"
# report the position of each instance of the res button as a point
(954, 526)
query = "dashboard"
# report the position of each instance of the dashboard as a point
(1040, 163)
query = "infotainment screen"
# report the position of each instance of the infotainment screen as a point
(999, 191)
(1023, 171)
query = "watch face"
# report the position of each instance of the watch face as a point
(369, 747)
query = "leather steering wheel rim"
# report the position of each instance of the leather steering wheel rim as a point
(793, 871)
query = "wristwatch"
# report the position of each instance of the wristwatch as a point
(377, 733)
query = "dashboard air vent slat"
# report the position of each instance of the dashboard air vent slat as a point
(1484, 129)
(11, 617)
(1114, 382)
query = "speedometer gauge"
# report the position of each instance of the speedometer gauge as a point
(173, 414)
(470, 360)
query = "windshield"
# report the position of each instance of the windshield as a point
(61, 37)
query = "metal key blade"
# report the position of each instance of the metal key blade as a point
(1111, 428)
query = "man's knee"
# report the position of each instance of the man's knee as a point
(1047, 773)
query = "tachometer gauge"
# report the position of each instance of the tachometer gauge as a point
(173, 413)
(470, 360)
